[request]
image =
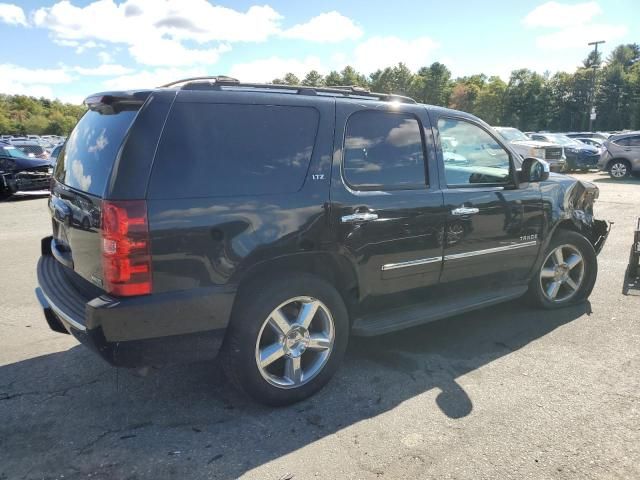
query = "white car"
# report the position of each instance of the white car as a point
(552, 153)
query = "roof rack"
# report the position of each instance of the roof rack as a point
(347, 91)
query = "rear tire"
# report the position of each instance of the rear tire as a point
(567, 274)
(619, 169)
(286, 339)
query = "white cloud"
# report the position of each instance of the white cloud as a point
(170, 52)
(104, 70)
(580, 35)
(328, 27)
(156, 30)
(15, 80)
(560, 15)
(12, 14)
(381, 52)
(265, 70)
(572, 26)
(105, 57)
(152, 78)
(28, 76)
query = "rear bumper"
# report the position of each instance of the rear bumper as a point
(138, 331)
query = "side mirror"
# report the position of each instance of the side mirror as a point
(534, 170)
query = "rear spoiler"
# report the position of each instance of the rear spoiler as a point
(109, 103)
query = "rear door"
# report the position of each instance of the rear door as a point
(386, 214)
(493, 226)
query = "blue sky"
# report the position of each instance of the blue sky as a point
(71, 48)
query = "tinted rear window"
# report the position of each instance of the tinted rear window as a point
(228, 149)
(86, 159)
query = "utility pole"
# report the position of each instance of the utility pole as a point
(592, 109)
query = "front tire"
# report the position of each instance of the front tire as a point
(567, 274)
(286, 339)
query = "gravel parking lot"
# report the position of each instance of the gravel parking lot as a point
(506, 392)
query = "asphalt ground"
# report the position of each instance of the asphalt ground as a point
(505, 392)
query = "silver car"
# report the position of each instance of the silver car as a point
(621, 155)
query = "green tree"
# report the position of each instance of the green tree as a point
(313, 79)
(489, 104)
(349, 76)
(524, 99)
(291, 79)
(433, 85)
(333, 79)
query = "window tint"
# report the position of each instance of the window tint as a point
(383, 151)
(623, 142)
(634, 141)
(85, 161)
(227, 149)
(471, 155)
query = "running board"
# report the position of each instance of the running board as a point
(401, 318)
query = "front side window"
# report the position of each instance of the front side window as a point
(383, 151)
(471, 155)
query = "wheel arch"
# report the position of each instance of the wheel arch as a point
(335, 269)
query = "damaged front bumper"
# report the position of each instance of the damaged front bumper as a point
(29, 180)
(600, 232)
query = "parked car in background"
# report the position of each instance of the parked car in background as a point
(600, 135)
(551, 152)
(594, 142)
(294, 218)
(621, 155)
(21, 173)
(579, 156)
(31, 148)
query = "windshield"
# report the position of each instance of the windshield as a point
(512, 134)
(15, 152)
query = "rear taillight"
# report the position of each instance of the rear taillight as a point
(126, 257)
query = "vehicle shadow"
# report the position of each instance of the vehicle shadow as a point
(628, 180)
(24, 197)
(70, 414)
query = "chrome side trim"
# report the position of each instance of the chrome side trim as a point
(62, 315)
(487, 251)
(410, 263)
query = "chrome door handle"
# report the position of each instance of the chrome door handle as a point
(465, 211)
(359, 217)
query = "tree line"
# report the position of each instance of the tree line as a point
(20, 114)
(528, 101)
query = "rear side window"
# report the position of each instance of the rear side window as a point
(383, 151)
(623, 142)
(210, 150)
(85, 161)
(634, 141)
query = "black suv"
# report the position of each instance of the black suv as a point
(269, 223)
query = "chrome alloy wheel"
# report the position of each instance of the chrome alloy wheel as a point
(562, 273)
(295, 342)
(618, 170)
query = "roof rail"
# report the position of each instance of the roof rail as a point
(347, 91)
(219, 79)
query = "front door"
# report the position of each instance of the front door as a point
(387, 218)
(493, 227)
